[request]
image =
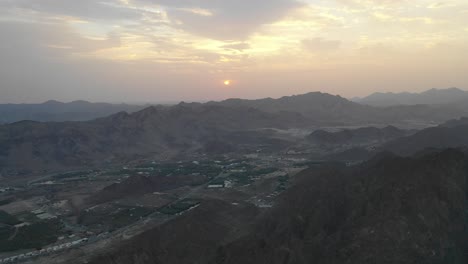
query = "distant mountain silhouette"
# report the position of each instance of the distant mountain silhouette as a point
(324, 108)
(429, 97)
(57, 111)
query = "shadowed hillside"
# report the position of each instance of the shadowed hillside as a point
(387, 210)
(152, 131)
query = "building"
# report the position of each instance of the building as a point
(228, 184)
(216, 186)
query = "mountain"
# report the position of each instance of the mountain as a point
(155, 131)
(58, 111)
(387, 210)
(193, 238)
(439, 137)
(329, 109)
(320, 107)
(451, 134)
(316, 105)
(187, 128)
(429, 97)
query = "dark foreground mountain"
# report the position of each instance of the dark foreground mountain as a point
(58, 111)
(440, 137)
(388, 210)
(194, 238)
(452, 134)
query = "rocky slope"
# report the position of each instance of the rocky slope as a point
(168, 131)
(387, 210)
(155, 131)
(360, 136)
(194, 238)
(439, 137)
(329, 109)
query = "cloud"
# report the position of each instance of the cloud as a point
(320, 44)
(224, 20)
(371, 2)
(237, 46)
(87, 9)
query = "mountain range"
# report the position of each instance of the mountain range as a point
(451, 134)
(161, 131)
(57, 111)
(316, 105)
(330, 109)
(168, 131)
(430, 97)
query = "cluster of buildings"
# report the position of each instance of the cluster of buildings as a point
(7, 189)
(41, 214)
(218, 185)
(44, 251)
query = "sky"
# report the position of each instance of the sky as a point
(173, 50)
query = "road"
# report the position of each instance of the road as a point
(101, 243)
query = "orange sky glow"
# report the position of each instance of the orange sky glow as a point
(171, 50)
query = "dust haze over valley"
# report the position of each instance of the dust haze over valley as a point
(293, 131)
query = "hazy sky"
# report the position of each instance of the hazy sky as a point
(160, 50)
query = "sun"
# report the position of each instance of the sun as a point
(227, 82)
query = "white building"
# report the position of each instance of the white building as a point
(216, 186)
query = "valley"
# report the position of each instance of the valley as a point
(233, 132)
(194, 176)
(81, 210)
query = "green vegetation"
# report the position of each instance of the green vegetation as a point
(5, 232)
(73, 174)
(8, 219)
(217, 181)
(264, 171)
(6, 201)
(209, 169)
(244, 178)
(283, 182)
(128, 216)
(179, 207)
(28, 217)
(36, 235)
(114, 218)
(116, 172)
(309, 163)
